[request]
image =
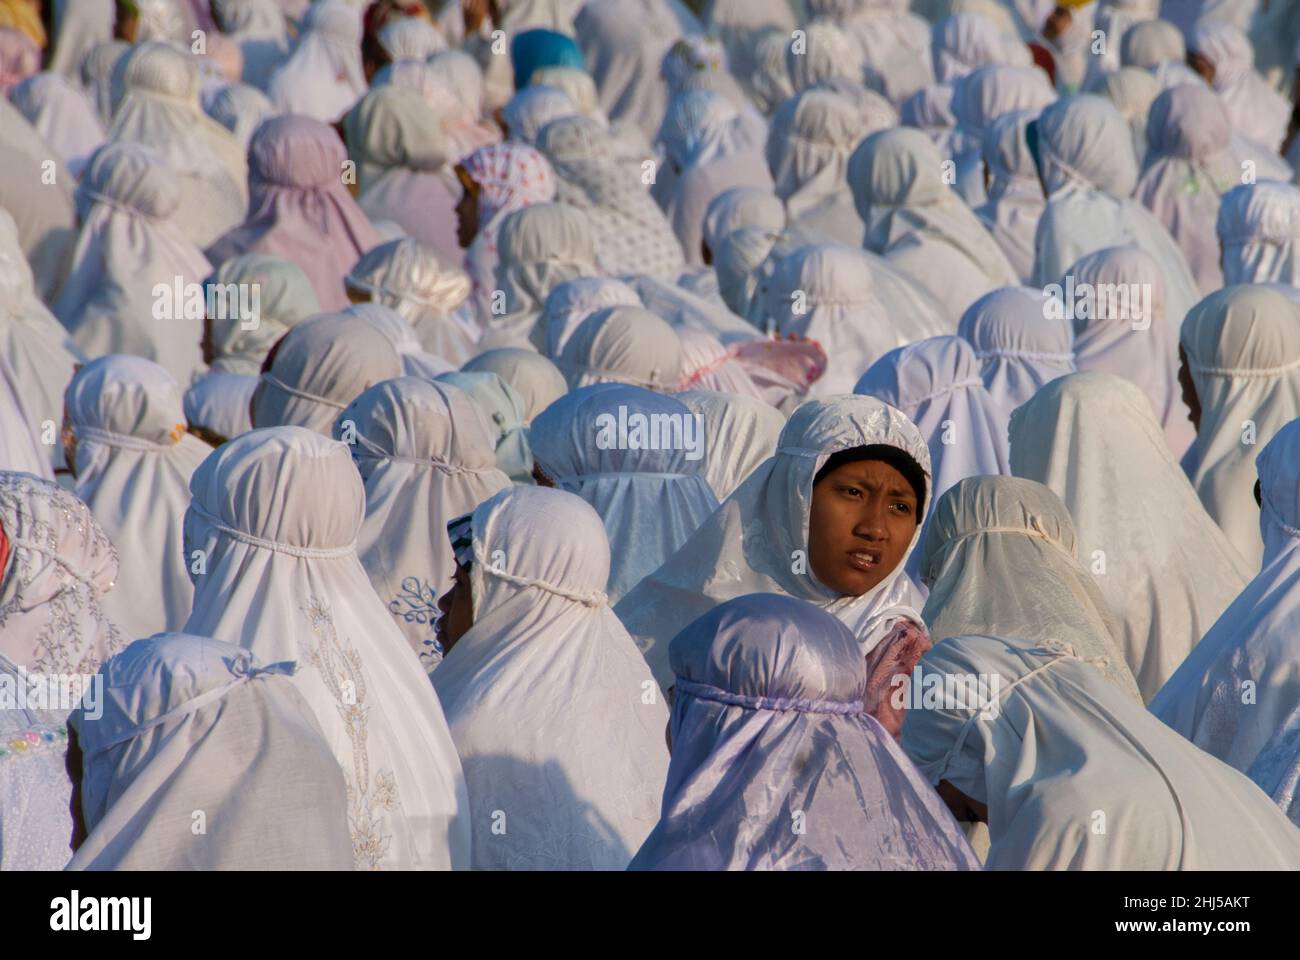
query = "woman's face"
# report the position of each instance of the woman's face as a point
(466, 209)
(863, 520)
(457, 606)
(1201, 65)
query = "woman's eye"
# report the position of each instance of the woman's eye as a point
(851, 491)
(903, 508)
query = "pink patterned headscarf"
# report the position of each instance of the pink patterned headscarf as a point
(20, 58)
(299, 208)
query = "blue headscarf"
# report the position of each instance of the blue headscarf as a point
(532, 50)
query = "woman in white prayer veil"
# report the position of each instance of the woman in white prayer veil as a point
(1000, 555)
(131, 242)
(741, 25)
(1019, 343)
(539, 248)
(1242, 370)
(429, 293)
(260, 27)
(318, 368)
(415, 361)
(964, 42)
(96, 74)
(631, 233)
(240, 108)
(236, 345)
(59, 565)
(919, 224)
(930, 111)
(191, 723)
(1254, 642)
(426, 457)
(536, 379)
(63, 116)
(1259, 233)
(161, 111)
(457, 82)
(742, 262)
(1054, 744)
(1015, 198)
(572, 302)
(651, 497)
(1080, 435)
(1131, 91)
(1189, 165)
(825, 293)
(736, 208)
(771, 80)
(277, 514)
(21, 431)
(1131, 339)
(1085, 159)
(979, 99)
(742, 434)
(768, 723)
(1258, 112)
(760, 540)
(628, 345)
(1155, 46)
(132, 459)
(503, 412)
(35, 349)
(543, 691)
(895, 43)
(79, 25)
(531, 109)
(813, 135)
(829, 59)
(323, 76)
(410, 38)
(1114, 18)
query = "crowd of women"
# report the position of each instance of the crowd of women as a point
(748, 434)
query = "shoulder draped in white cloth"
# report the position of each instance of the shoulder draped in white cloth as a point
(323, 77)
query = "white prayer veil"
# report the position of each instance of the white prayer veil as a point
(570, 303)
(895, 43)
(1054, 744)
(63, 116)
(1131, 91)
(323, 77)
(131, 245)
(1128, 335)
(708, 365)
(826, 293)
(79, 26)
(410, 38)
(415, 361)
(1020, 344)
(768, 728)
(276, 513)
(96, 74)
(639, 459)
(503, 413)
(240, 108)
(426, 458)
(319, 367)
(260, 27)
(743, 433)
(741, 207)
(1087, 435)
(980, 98)
(133, 467)
(61, 563)
(161, 111)
(1259, 232)
(532, 108)
(1015, 198)
(545, 694)
(919, 224)
(964, 42)
(189, 723)
(627, 345)
(1258, 112)
(754, 541)
(536, 379)
(1000, 556)
(1243, 351)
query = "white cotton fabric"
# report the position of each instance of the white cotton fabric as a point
(1114, 18)
(1131, 91)
(964, 42)
(980, 98)
(415, 361)
(260, 27)
(532, 108)
(455, 89)
(1258, 112)
(131, 240)
(746, 545)
(96, 75)
(410, 38)
(1253, 642)
(895, 45)
(191, 723)
(61, 564)
(323, 76)
(651, 500)
(826, 293)
(1128, 341)
(536, 379)
(1089, 171)
(917, 223)
(63, 116)
(1064, 743)
(544, 694)
(1019, 344)
(79, 26)
(277, 513)
(1243, 351)
(1259, 233)
(570, 303)
(741, 434)
(133, 467)
(628, 345)
(1014, 198)
(322, 365)
(426, 458)
(503, 412)
(708, 365)
(1166, 570)
(741, 207)
(240, 108)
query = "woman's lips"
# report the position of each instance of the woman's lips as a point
(865, 560)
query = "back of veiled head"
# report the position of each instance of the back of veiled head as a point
(819, 275)
(818, 124)
(1244, 330)
(394, 127)
(742, 207)
(573, 142)
(737, 261)
(1188, 121)
(908, 376)
(536, 379)
(529, 111)
(1130, 89)
(160, 69)
(1083, 139)
(577, 85)
(498, 403)
(285, 297)
(1278, 465)
(692, 117)
(1225, 46)
(1005, 150)
(464, 75)
(989, 92)
(1151, 43)
(1266, 212)
(535, 48)
(125, 396)
(1123, 268)
(410, 38)
(408, 270)
(896, 168)
(240, 108)
(296, 152)
(1013, 320)
(624, 345)
(930, 108)
(335, 20)
(827, 53)
(547, 232)
(964, 42)
(133, 176)
(573, 301)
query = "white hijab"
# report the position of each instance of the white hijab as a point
(743, 431)
(1058, 745)
(628, 345)
(1131, 91)
(426, 458)
(240, 108)
(546, 694)
(651, 499)
(570, 303)
(747, 544)
(276, 514)
(190, 724)
(1259, 233)
(63, 116)
(261, 29)
(895, 44)
(1089, 434)
(416, 362)
(1243, 351)
(536, 379)
(134, 461)
(130, 243)
(1207, 700)
(79, 25)
(980, 98)
(1258, 112)
(323, 77)
(1015, 198)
